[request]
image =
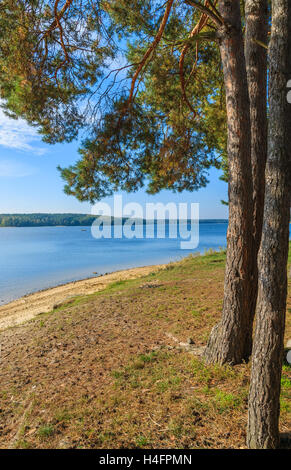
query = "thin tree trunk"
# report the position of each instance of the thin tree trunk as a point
(256, 13)
(229, 340)
(264, 396)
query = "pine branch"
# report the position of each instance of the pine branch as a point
(195, 36)
(213, 16)
(151, 49)
(203, 36)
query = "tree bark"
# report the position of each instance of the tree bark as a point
(229, 340)
(256, 13)
(264, 395)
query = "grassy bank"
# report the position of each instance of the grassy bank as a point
(108, 369)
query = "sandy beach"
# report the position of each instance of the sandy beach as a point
(27, 307)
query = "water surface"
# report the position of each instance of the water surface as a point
(34, 258)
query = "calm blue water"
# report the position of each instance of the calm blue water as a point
(34, 258)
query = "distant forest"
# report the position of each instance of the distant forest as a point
(42, 220)
(46, 220)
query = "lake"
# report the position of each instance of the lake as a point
(35, 258)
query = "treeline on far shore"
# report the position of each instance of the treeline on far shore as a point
(50, 220)
(43, 220)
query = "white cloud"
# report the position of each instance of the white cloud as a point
(18, 135)
(15, 169)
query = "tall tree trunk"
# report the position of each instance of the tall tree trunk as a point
(256, 13)
(264, 404)
(229, 340)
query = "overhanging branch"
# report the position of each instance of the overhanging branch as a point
(151, 49)
(214, 16)
(194, 35)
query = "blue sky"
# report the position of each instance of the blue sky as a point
(30, 181)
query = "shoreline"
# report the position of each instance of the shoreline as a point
(29, 306)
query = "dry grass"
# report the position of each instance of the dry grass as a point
(102, 372)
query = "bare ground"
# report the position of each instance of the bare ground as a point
(113, 370)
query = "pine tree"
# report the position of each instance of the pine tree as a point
(264, 396)
(159, 118)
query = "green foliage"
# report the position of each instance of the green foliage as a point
(142, 441)
(60, 75)
(45, 431)
(47, 220)
(157, 139)
(39, 220)
(45, 70)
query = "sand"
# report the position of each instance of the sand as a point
(28, 307)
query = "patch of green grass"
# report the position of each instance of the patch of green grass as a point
(141, 441)
(205, 374)
(117, 374)
(148, 370)
(196, 313)
(172, 382)
(45, 431)
(22, 444)
(226, 401)
(201, 373)
(62, 416)
(122, 285)
(285, 390)
(285, 405)
(138, 363)
(114, 285)
(148, 357)
(285, 382)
